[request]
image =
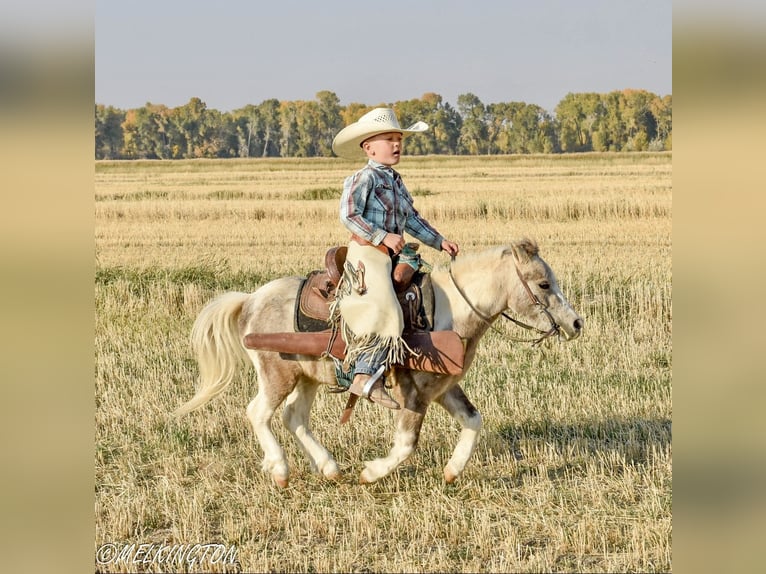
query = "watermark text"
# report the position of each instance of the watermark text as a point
(189, 555)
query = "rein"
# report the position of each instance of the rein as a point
(554, 330)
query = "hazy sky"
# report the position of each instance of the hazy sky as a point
(230, 53)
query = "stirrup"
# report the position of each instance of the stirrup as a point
(371, 381)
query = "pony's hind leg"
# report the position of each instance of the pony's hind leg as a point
(274, 385)
(260, 412)
(296, 418)
(457, 404)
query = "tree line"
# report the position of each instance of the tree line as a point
(626, 120)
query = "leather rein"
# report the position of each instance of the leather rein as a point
(554, 330)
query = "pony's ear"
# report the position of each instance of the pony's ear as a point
(523, 250)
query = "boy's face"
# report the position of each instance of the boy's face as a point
(384, 148)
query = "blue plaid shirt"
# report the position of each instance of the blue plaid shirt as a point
(375, 202)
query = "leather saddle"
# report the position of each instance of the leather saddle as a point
(318, 289)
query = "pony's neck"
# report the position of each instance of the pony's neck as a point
(475, 288)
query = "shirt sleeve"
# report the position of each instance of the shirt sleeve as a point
(418, 227)
(356, 191)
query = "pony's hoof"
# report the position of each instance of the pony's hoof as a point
(374, 470)
(365, 478)
(331, 471)
(449, 476)
(280, 481)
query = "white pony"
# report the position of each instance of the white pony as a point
(469, 296)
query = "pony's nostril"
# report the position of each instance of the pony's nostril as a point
(578, 324)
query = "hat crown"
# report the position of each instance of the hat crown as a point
(378, 121)
(384, 116)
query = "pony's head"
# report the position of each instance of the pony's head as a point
(535, 295)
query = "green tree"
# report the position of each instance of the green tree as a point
(219, 136)
(148, 133)
(497, 118)
(246, 125)
(189, 120)
(109, 134)
(473, 132)
(610, 134)
(577, 116)
(662, 110)
(619, 120)
(270, 125)
(410, 111)
(518, 127)
(548, 133)
(447, 125)
(307, 129)
(639, 120)
(288, 125)
(328, 121)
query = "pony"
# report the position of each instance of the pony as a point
(470, 294)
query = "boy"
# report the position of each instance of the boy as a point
(377, 208)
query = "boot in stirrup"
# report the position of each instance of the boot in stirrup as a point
(371, 387)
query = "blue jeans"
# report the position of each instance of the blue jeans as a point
(368, 363)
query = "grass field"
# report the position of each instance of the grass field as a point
(573, 471)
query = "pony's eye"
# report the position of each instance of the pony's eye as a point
(545, 285)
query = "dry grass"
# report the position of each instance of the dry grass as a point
(573, 469)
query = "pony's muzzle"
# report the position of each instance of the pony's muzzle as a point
(576, 330)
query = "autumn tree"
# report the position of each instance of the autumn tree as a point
(620, 120)
(147, 133)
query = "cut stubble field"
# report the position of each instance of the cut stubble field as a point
(573, 471)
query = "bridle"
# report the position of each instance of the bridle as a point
(554, 330)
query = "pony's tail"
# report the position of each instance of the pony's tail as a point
(216, 343)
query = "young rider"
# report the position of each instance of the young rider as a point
(377, 209)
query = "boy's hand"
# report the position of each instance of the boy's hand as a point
(450, 247)
(394, 242)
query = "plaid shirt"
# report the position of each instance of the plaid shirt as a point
(375, 202)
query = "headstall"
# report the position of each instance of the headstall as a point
(554, 330)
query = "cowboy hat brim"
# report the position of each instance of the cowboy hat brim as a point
(347, 144)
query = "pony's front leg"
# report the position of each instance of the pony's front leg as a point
(296, 418)
(457, 404)
(409, 420)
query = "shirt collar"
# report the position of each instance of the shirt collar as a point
(380, 166)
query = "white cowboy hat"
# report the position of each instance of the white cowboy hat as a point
(347, 144)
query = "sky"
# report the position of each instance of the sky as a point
(230, 53)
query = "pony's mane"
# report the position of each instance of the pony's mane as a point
(477, 258)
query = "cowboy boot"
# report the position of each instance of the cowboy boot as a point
(372, 388)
